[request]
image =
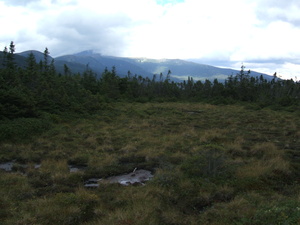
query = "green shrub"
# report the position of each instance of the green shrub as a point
(22, 128)
(285, 212)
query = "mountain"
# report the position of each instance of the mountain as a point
(98, 63)
(59, 64)
(180, 69)
(39, 56)
(19, 60)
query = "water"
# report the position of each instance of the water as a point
(7, 166)
(75, 169)
(135, 177)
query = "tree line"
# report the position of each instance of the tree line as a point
(37, 88)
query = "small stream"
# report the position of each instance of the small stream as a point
(136, 177)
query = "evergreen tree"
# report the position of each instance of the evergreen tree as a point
(5, 53)
(12, 48)
(31, 74)
(10, 56)
(67, 70)
(46, 59)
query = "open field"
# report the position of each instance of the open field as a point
(212, 164)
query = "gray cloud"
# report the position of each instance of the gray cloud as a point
(19, 2)
(272, 10)
(80, 30)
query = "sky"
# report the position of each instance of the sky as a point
(264, 35)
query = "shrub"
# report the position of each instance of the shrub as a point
(283, 212)
(22, 128)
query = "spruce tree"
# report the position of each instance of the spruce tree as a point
(10, 56)
(46, 59)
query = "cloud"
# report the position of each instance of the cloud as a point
(195, 29)
(66, 27)
(284, 70)
(275, 41)
(158, 29)
(73, 31)
(274, 10)
(18, 2)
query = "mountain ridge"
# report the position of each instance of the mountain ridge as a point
(145, 67)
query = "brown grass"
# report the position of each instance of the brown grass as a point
(213, 135)
(266, 150)
(258, 168)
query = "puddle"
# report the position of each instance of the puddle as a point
(37, 166)
(194, 112)
(136, 177)
(7, 166)
(75, 169)
(92, 183)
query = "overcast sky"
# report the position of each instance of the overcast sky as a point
(262, 34)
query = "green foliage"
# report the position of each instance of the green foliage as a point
(283, 212)
(22, 128)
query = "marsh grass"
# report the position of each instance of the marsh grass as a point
(259, 168)
(213, 135)
(266, 150)
(212, 164)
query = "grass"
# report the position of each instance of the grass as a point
(213, 165)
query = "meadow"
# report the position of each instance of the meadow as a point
(212, 164)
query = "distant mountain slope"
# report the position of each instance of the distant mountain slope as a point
(180, 69)
(39, 56)
(19, 60)
(98, 63)
(59, 64)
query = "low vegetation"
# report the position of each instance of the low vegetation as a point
(217, 155)
(226, 164)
